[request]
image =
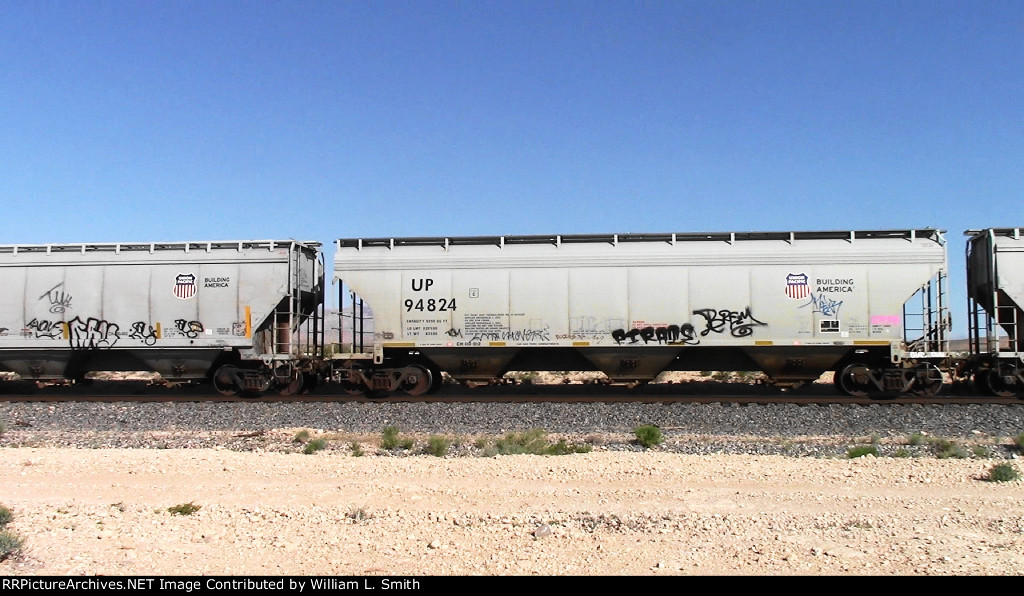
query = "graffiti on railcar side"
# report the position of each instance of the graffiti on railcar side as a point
(143, 332)
(59, 300)
(668, 334)
(92, 333)
(739, 323)
(824, 305)
(190, 329)
(42, 328)
(535, 335)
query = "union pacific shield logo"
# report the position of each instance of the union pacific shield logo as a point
(796, 286)
(185, 286)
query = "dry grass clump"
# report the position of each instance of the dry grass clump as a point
(10, 542)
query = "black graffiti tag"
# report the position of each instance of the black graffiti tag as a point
(191, 329)
(92, 333)
(669, 334)
(59, 301)
(521, 335)
(50, 329)
(740, 323)
(145, 332)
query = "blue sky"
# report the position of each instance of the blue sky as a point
(135, 121)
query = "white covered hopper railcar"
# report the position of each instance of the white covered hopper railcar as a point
(867, 304)
(228, 311)
(995, 294)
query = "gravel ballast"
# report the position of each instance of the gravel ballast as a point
(690, 428)
(742, 490)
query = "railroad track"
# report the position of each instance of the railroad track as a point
(698, 393)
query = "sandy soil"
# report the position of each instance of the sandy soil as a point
(105, 511)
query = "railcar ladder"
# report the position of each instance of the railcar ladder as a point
(296, 332)
(354, 323)
(926, 320)
(998, 332)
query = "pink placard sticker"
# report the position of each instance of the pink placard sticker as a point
(890, 320)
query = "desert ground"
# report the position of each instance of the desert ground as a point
(648, 513)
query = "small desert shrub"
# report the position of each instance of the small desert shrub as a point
(917, 439)
(389, 437)
(301, 437)
(1019, 441)
(10, 544)
(947, 449)
(357, 449)
(901, 452)
(648, 435)
(955, 452)
(563, 448)
(1004, 472)
(358, 514)
(861, 451)
(438, 445)
(531, 442)
(184, 509)
(314, 446)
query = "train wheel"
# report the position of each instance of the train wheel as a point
(310, 382)
(224, 382)
(927, 380)
(995, 385)
(854, 380)
(980, 384)
(436, 380)
(351, 387)
(291, 388)
(421, 381)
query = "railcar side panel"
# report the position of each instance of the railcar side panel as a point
(637, 305)
(1011, 270)
(174, 308)
(995, 294)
